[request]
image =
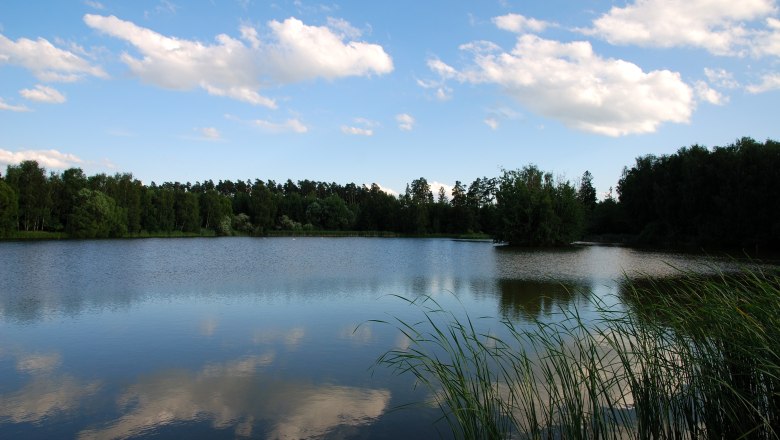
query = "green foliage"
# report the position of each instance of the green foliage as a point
(224, 227)
(8, 209)
(725, 197)
(702, 360)
(587, 193)
(535, 210)
(28, 181)
(96, 215)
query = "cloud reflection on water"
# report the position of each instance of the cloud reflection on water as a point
(48, 392)
(235, 395)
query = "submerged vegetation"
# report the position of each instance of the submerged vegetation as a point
(699, 360)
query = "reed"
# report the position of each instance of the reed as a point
(694, 357)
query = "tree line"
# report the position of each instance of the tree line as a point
(724, 196)
(698, 197)
(102, 206)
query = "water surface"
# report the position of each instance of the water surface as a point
(252, 337)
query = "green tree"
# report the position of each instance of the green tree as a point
(96, 215)
(462, 215)
(262, 208)
(71, 181)
(187, 211)
(535, 211)
(214, 208)
(8, 209)
(587, 193)
(335, 215)
(29, 182)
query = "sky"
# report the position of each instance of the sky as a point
(380, 92)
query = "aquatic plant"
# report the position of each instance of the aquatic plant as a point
(693, 357)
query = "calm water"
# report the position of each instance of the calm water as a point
(261, 338)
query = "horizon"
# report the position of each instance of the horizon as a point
(173, 91)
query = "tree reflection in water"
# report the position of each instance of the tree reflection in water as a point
(532, 299)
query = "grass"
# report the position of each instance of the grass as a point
(35, 235)
(697, 357)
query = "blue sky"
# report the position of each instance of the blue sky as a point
(384, 92)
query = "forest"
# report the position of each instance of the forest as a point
(698, 197)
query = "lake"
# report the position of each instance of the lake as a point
(259, 337)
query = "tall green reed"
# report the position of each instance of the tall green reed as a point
(693, 357)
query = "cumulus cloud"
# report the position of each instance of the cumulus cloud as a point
(45, 158)
(715, 25)
(239, 68)
(384, 189)
(519, 24)
(768, 83)
(43, 93)
(45, 61)
(767, 41)
(405, 121)
(570, 83)
(12, 108)
(705, 93)
(435, 186)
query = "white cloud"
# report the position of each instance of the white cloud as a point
(165, 6)
(721, 78)
(343, 29)
(442, 92)
(705, 93)
(210, 133)
(715, 25)
(43, 93)
(13, 108)
(387, 190)
(435, 186)
(498, 114)
(570, 83)
(45, 158)
(239, 68)
(365, 127)
(45, 61)
(768, 83)
(289, 126)
(443, 69)
(94, 4)
(767, 41)
(405, 121)
(358, 131)
(519, 24)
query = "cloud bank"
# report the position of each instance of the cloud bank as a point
(570, 83)
(240, 68)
